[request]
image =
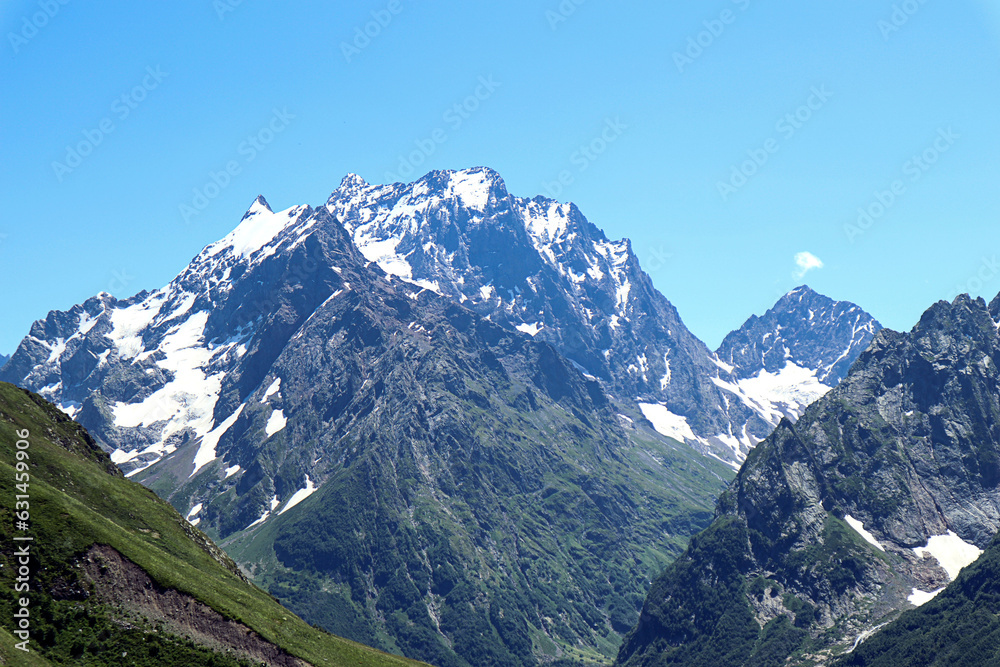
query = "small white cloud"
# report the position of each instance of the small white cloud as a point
(806, 262)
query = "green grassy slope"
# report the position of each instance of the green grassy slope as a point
(79, 499)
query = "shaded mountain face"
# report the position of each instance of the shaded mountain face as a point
(870, 504)
(797, 351)
(388, 462)
(3, 360)
(115, 570)
(960, 626)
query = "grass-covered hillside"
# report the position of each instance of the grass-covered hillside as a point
(118, 577)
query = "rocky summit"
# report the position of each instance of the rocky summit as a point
(868, 505)
(797, 351)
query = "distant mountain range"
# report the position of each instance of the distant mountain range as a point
(3, 360)
(434, 417)
(871, 503)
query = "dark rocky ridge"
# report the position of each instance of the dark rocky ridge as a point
(908, 444)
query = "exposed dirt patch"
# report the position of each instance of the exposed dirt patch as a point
(121, 583)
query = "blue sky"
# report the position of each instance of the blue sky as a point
(888, 107)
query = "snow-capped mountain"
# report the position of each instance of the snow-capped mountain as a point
(796, 352)
(532, 265)
(539, 266)
(411, 467)
(148, 374)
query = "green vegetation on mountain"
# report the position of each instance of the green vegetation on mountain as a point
(92, 527)
(500, 573)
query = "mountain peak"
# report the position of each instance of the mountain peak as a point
(801, 292)
(259, 204)
(793, 354)
(258, 228)
(474, 188)
(351, 181)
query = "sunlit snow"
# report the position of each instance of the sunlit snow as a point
(666, 422)
(258, 227)
(299, 496)
(187, 401)
(272, 389)
(951, 551)
(775, 395)
(860, 529)
(530, 329)
(206, 451)
(918, 597)
(275, 423)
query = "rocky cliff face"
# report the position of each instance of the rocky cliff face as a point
(869, 504)
(541, 267)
